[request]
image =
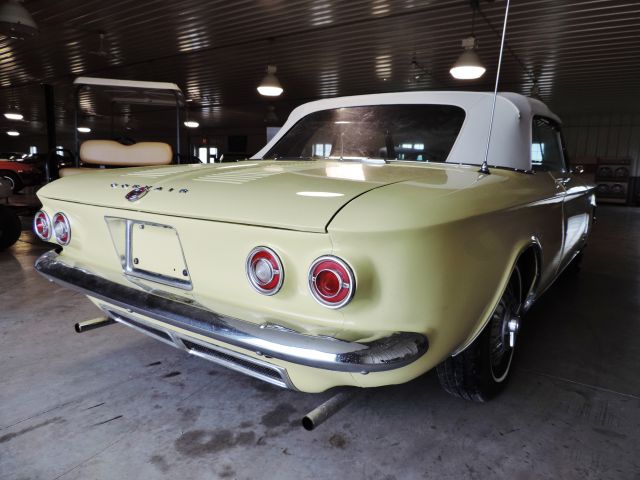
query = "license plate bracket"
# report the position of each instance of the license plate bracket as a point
(153, 252)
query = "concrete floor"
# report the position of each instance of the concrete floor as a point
(114, 404)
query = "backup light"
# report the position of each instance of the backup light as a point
(42, 225)
(264, 270)
(331, 281)
(61, 228)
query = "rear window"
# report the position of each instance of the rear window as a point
(423, 133)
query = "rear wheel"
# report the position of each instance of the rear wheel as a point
(481, 371)
(10, 227)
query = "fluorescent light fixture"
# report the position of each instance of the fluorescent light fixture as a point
(191, 124)
(468, 66)
(16, 21)
(341, 122)
(13, 115)
(84, 129)
(13, 133)
(270, 85)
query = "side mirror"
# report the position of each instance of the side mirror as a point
(577, 169)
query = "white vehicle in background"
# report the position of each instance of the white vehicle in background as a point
(10, 226)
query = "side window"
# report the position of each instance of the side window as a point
(546, 146)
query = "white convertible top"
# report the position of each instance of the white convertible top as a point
(510, 140)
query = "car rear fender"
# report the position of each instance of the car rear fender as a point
(527, 256)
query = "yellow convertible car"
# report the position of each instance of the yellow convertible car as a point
(363, 246)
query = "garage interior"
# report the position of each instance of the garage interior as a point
(114, 404)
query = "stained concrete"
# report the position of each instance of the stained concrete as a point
(114, 404)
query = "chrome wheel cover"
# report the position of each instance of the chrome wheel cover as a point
(11, 182)
(501, 329)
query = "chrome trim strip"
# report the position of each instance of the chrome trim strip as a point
(560, 271)
(178, 342)
(499, 167)
(127, 244)
(388, 353)
(531, 295)
(123, 320)
(284, 381)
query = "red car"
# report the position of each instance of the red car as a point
(19, 171)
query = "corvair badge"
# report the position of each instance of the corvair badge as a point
(140, 191)
(137, 193)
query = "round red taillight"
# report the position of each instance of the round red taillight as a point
(331, 282)
(42, 225)
(61, 228)
(264, 270)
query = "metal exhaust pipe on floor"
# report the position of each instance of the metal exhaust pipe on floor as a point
(87, 325)
(322, 412)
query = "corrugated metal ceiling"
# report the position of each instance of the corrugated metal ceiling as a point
(581, 52)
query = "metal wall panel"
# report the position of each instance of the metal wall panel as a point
(589, 137)
(583, 53)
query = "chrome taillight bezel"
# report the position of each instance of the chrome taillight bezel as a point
(49, 225)
(323, 299)
(275, 284)
(66, 222)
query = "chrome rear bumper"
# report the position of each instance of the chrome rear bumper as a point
(392, 352)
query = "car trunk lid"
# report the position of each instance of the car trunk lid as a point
(295, 195)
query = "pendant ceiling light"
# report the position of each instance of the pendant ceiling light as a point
(535, 92)
(469, 66)
(16, 21)
(188, 122)
(270, 85)
(13, 114)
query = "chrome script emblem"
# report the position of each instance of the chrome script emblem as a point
(137, 193)
(140, 191)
